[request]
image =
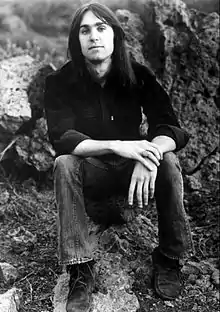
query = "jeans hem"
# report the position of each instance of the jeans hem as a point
(75, 261)
(184, 255)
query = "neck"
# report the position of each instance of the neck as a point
(99, 70)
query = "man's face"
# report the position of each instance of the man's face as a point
(96, 38)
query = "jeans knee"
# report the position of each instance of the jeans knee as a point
(66, 163)
(169, 172)
(170, 162)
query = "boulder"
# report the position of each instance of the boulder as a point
(116, 266)
(23, 128)
(35, 149)
(9, 273)
(10, 301)
(181, 46)
(186, 63)
(16, 74)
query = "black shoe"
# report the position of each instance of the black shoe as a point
(166, 276)
(81, 285)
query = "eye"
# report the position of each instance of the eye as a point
(101, 28)
(84, 31)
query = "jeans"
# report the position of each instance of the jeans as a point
(77, 178)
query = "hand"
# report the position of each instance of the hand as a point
(143, 181)
(140, 151)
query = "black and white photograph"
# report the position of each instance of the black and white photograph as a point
(109, 156)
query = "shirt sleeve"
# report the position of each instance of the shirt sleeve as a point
(159, 112)
(61, 121)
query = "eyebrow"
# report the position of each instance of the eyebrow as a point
(96, 24)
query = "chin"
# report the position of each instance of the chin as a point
(96, 60)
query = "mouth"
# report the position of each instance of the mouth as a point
(95, 47)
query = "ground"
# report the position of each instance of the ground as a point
(28, 207)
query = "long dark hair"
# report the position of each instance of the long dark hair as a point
(120, 57)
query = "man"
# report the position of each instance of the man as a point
(93, 109)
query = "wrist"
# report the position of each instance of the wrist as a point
(165, 144)
(113, 145)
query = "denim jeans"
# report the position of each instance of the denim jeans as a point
(77, 178)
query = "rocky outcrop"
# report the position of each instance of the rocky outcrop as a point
(23, 135)
(182, 48)
(178, 44)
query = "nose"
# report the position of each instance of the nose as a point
(94, 35)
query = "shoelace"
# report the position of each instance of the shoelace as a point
(80, 277)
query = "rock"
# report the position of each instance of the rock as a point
(114, 286)
(181, 45)
(169, 304)
(193, 183)
(115, 265)
(13, 23)
(191, 268)
(16, 75)
(215, 277)
(133, 26)
(192, 278)
(9, 273)
(207, 267)
(60, 293)
(204, 282)
(216, 295)
(4, 197)
(10, 301)
(202, 267)
(22, 240)
(195, 307)
(21, 105)
(36, 150)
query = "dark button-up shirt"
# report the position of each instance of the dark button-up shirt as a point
(78, 108)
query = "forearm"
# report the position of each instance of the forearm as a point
(165, 143)
(89, 148)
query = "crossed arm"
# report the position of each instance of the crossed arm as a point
(146, 154)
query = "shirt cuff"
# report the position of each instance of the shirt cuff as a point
(69, 140)
(180, 136)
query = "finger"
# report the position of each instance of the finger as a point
(145, 192)
(139, 193)
(158, 149)
(151, 156)
(152, 186)
(151, 148)
(144, 162)
(131, 192)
